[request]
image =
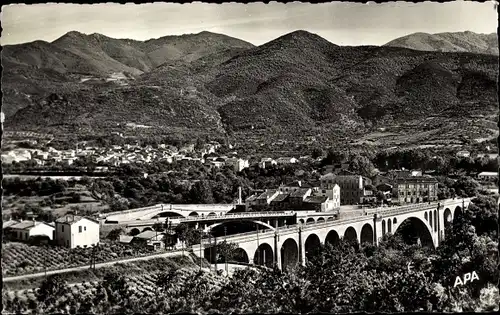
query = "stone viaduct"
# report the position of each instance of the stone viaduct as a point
(289, 245)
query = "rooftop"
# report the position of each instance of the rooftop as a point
(267, 194)
(126, 238)
(252, 198)
(69, 218)
(416, 179)
(488, 174)
(299, 193)
(9, 223)
(26, 225)
(316, 199)
(327, 176)
(280, 198)
(147, 235)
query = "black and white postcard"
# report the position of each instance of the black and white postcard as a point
(250, 158)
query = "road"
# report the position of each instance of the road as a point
(100, 265)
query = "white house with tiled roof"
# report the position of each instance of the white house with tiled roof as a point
(22, 231)
(76, 231)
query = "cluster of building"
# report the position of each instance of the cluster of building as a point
(342, 187)
(69, 231)
(111, 156)
(40, 157)
(296, 196)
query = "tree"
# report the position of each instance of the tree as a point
(115, 286)
(201, 192)
(466, 187)
(362, 165)
(380, 196)
(114, 235)
(158, 227)
(317, 152)
(334, 156)
(51, 289)
(226, 251)
(484, 215)
(187, 234)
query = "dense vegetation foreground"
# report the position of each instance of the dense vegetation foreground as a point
(393, 277)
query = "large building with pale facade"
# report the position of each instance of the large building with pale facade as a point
(76, 231)
(415, 189)
(351, 187)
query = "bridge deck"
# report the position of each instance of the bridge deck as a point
(222, 217)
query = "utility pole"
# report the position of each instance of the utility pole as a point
(215, 254)
(156, 230)
(225, 251)
(210, 242)
(201, 257)
(45, 264)
(258, 250)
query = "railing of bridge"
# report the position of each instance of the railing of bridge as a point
(242, 215)
(412, 208)
(155, 207)
(209, 218)
(147, 222)
(403, 208)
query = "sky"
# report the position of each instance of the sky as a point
(341, 23)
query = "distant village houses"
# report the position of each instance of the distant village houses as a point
(237, 164)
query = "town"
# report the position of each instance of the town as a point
(334, 188)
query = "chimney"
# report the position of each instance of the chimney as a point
(239, 195)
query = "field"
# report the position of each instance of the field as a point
(20, 258)
(141, 284)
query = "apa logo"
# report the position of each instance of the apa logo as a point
(468, 276)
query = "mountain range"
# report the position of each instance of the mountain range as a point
(449, 42)
(298, 84)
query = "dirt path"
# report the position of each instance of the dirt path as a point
(100, 265)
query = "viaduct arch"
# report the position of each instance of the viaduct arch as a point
(311, 245)
(264, 255)
(332, 238)
(289, 253)
(413, 230)
(367, 234)
(267, 225)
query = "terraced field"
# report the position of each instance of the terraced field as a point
(140, 286)
(20, 258)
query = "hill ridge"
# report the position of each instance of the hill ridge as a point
(449, 42)
(298, 84)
